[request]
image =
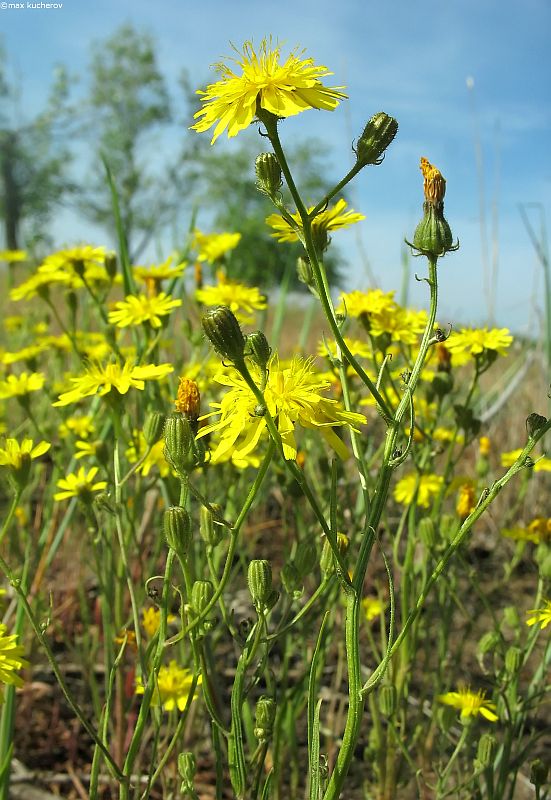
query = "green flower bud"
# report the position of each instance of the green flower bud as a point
(426, 531)
(187, 766)
(177, 529)
(376, 137)
(268, 174)
(222, 328)
(328, 563)
(305, 274)
(433, 236)
(534, 422)
(485, 751)
(387, 700)
(511, 617)
(306, 557)
(264, 718)
(513, 660)
(259, 580)
(201, 595)
(291, 580)
(181, 450)
(538, 772)
(210, 532)
(111, 265)
(153, 427)
(259, 349)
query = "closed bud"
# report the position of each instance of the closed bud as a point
(538, 772)
(222, 328)
(511, 617)
(201, 595)
(433, 236)
(513, 660)
(291, 580)
(427, 533)
(534, 422)
(153, 427)
(188, 401)
(264, 718)
(111, 265)
(387, 700)
(306, 557)
(376, 137)
(210, 531)
(268, 174)
(328, 562)
(485, 751)
(177, 529)
(181, 450)
(259, 349)
(305, 273)
(187, 767)
(259, 580)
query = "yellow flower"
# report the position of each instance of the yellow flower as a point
(136, 310)
(11, 256)
(356, 346)
(15, 454)
(151, 619)
(159, 272)
(212, 246)
(373, 301)
(282, 89)
(466, 502)
(373, 607)
(38, 283)
(475, 341)
(21, 385)
(541, 463)
(470, 704)
(188, 398)
(13, 323)
(418, 487)
(83, 427)
(484, 446)
(103, 379)
(86, 449)
(242, 300)
(537, 531)
(434, 184)
(29, 353)
(331, 219)
(76, 259)
(80, 484)
(542, 616)
(155, 457)
(294, 395)
(173, 687)
(10, 660)
(402, 324)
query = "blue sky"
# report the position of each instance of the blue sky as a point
(411, 60)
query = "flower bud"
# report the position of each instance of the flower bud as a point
(222, 328)
(259, 580)
(534, 422)
(387, 700)
(210, 532)
(201, 595)
(511, 617)
(328, 563)
(177, 529)
(513, 660)
(291, 580)
(538, 772)
(305, 557)
(268, 174)
(376, 137)
(426, 531)
(188, 401)
(111, 264)
(181, 450)
(305, 274)
(485, 752)
(153, 427)
(259, 349)
(433, 236)
(264, 718)
(187, 767)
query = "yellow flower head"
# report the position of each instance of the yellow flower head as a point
(21, 385)
(294, 396)
(11, 256)
(372, 607)
(541, 463)
(331, 219)
(264, 83)
(135, 310)
(484, 446)
(15, 454)
(242, 300)
(542, 616)
(159, 272)
(470, 703)
(103, 379)
(83, 427)
(173, 687)
(212, 246)
(476, 340)
(418, 487)
(373, 301)
(80, 484)
(188, 399)
(10, 660)
(434, 185)
(466, 502)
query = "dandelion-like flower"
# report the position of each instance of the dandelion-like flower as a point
(241, 299)
(156, 273)
(541, 464)
(135, 310)
(14, 454)
(83, 427)
(541, 616)
(173, 686)
(80, 484)
(419, 487)
(10, 660)
(373, 301)
(471, 704)
(475, 340)
(21, 385)
(331, 219)
(13, 256)
(434, 184)
(101, 380)
(211, 247)
(294, 396)
(264, 83)
(372, 607)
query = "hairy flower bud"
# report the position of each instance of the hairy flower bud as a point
(268, 174)
(538, 772)
(265, 713)
(534, 422)
(222, 328)
(433, 236)
(111, 264)
(177, 529)
(486, 748)
(153, 427)
(427, 533)
(201, 595)
(259, 580)
(513, 660)
(210, 532)
(259, 349)
(376, 137)
(187, 767)
(328, 563)
(181, 450)
(387, 700)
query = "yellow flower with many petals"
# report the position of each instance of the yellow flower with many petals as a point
(541, 616)
(29, 353)
(470, 704)
(14, 454)
(476, 340)
(541, 463)
(241, 299)
(80, 484)
(212, 246)
(331, 219)
(21, 385)
(537, 531)
(101, 380)
(83, 427)
(173, 686)
(159, 272)
(373, 301)
(294, 396)
(417, 487)
(372, 607)
(39, 283)
(10, 660)
(401, 324)
(13, 256)
(283, 89)
(135, 310)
